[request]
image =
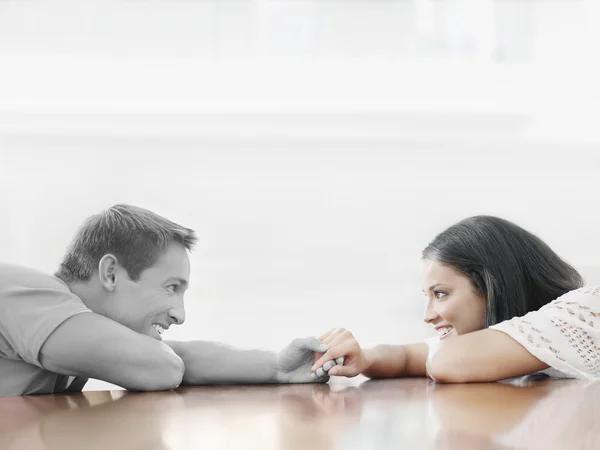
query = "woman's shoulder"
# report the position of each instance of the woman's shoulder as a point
(579, 307)
(563, 333)
(584, 298)
(593, 291)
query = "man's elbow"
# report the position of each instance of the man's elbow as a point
(165, 374)
(173, 374)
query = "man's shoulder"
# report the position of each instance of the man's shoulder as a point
(15, 276)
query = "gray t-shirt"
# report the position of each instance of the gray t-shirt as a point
(32, 306)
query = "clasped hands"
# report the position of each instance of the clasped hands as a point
(315, 359)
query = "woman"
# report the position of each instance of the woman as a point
(503, 304)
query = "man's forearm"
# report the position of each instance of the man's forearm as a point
(215, 363)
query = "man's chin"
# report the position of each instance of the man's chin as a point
(152, 333)
(156, 336)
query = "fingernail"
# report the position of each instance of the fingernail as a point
(323, 348)
(313, 376)
(320, 372)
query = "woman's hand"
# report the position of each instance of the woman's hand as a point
(344, 356)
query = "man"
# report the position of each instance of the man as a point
(120, 286)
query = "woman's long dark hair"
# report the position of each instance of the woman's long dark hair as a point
(514, 270)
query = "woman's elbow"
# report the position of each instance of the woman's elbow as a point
(444, 370)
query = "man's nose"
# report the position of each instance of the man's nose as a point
(177, 313)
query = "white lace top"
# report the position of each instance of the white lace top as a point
(565, 334)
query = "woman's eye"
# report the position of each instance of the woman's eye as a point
(440, 294)
(172, 287)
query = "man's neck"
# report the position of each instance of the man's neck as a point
(88, 293)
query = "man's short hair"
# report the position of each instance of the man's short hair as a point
(135, 236)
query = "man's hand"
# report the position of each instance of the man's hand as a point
(295, 360)
(344, 357)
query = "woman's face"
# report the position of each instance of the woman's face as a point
(453, 305)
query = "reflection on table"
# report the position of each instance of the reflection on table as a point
(348, 414)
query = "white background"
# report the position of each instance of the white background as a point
(315, 146)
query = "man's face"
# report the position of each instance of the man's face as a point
(154, 302)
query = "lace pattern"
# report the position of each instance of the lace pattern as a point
(565, 333)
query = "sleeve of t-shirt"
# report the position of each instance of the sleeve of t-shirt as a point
(565, 333)
(28, 315)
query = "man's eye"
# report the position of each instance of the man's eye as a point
(172, 287)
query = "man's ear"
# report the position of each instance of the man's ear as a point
(107, 272)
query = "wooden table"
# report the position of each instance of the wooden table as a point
(345, 414)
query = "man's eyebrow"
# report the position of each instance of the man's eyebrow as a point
(181, 281)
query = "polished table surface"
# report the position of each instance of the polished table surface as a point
(344, 414)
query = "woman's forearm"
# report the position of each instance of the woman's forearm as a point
(390, 361)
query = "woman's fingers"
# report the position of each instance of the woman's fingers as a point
(324, 336)
(331, 335)
(345, 348)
